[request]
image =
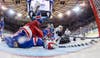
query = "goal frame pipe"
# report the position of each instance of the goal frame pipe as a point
(96, 15)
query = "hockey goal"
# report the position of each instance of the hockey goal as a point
(95, 5)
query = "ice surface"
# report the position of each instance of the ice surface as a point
(40, 51)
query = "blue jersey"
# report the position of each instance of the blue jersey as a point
(23, 41)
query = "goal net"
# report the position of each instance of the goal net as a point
(97, 6)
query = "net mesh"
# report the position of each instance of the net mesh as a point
(97, 5)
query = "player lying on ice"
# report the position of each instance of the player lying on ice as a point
(31, 35)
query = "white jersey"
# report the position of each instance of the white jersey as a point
(44, 5)
(67, 32)
(55, 33)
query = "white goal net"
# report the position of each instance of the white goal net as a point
(97, 6)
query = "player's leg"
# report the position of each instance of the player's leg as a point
(16, 39)
(40, 42)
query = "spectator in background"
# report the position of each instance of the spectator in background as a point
(3, 1)
(17, 1)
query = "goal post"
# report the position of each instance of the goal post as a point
(95, 5)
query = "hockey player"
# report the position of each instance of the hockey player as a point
(49, 40)
(44, 6)
(58, 32)
(48, 32)
(67, 32)
(28, 2)
(65, 38)
(29, 35)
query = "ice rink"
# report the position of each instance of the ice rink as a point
(91, 52)
(78, 49)
(76, 15)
